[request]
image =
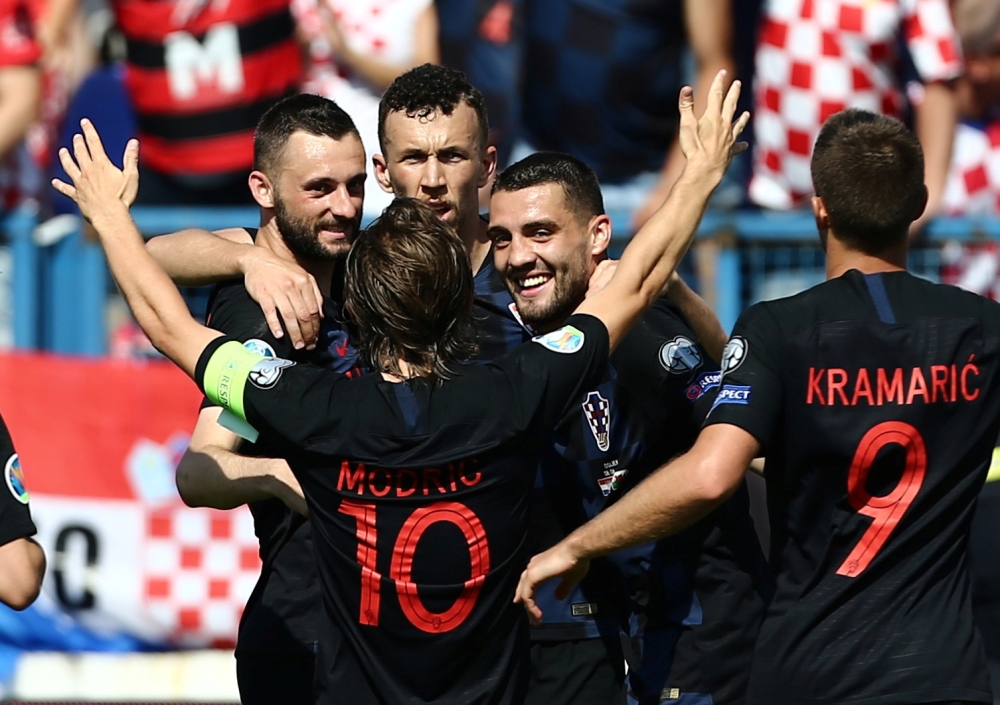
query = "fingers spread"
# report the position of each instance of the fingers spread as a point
(93, 140)
(716, 94)
(68, 165)
(80, 151)
(732, 98)
(64, 188)
(741, 124)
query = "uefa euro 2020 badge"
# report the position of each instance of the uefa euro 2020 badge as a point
(15, 479)
(563, 340)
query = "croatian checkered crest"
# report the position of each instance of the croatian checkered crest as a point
(598, 413)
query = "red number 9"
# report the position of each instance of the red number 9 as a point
(886, 511)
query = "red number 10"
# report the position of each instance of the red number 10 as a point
(401, 567)
(886, 511)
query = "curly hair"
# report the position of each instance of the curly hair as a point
(408, 293)
(428, 89)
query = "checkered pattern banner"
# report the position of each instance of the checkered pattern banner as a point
(130, 566)
(818, 57)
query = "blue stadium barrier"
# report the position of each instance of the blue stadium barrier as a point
(60, 291)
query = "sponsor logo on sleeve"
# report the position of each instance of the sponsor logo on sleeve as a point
(15, 479)
(564, 340)
(680, 355)
(732, 394)
(597, 409)
(259, 347)
(266, 373)
(733, 354)
(612, 481)
(705, 381)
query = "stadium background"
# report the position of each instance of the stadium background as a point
(142, 595)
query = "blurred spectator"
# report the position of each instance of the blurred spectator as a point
(482, 39)
(103, 99)
(356, 48)
(200, 74)
(974, 180)
(20, 95)
(602, 79)
(817, 57)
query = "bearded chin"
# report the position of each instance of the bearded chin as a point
(545, 317)
(302, 237)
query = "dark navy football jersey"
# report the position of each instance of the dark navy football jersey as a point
(498, 329)
(15, 516)
(695, 636)
(875, 400)
(284, 608)
(418, 495)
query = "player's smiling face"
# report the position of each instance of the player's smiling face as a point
(318, 194)
(544, 251)
(437, 159)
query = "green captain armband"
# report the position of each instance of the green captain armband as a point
(226, 376)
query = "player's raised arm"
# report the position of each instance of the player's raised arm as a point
(709, 144)
(153, 298)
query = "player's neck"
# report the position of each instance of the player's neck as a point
(477, 242)
(270, 237)
(840, 259)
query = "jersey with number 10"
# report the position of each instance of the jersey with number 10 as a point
(875, 399)
(418, 496)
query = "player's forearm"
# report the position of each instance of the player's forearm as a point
(155, 302)
(700, 315)
(671, 499)
(22, 567)
(197, 257)
(934, 122)
(215, 477)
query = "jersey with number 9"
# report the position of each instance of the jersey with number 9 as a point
(875, 400)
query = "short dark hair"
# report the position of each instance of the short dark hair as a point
(307, 113)
(429, 89)
(408, 292)
(869, 171)
(578, 181)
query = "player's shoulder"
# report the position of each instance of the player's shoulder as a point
(232, 311)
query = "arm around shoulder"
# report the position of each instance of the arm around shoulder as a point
(195, 257)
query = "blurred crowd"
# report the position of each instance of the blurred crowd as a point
(595, 78)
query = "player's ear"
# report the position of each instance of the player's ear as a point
(489, 165)
(600, 234)
(923, 204)
(261, 189)
(819, 212)
(382, 172)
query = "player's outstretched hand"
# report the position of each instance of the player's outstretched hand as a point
(711, 141)
(97, 182)
(285, 292)
(557, 562)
